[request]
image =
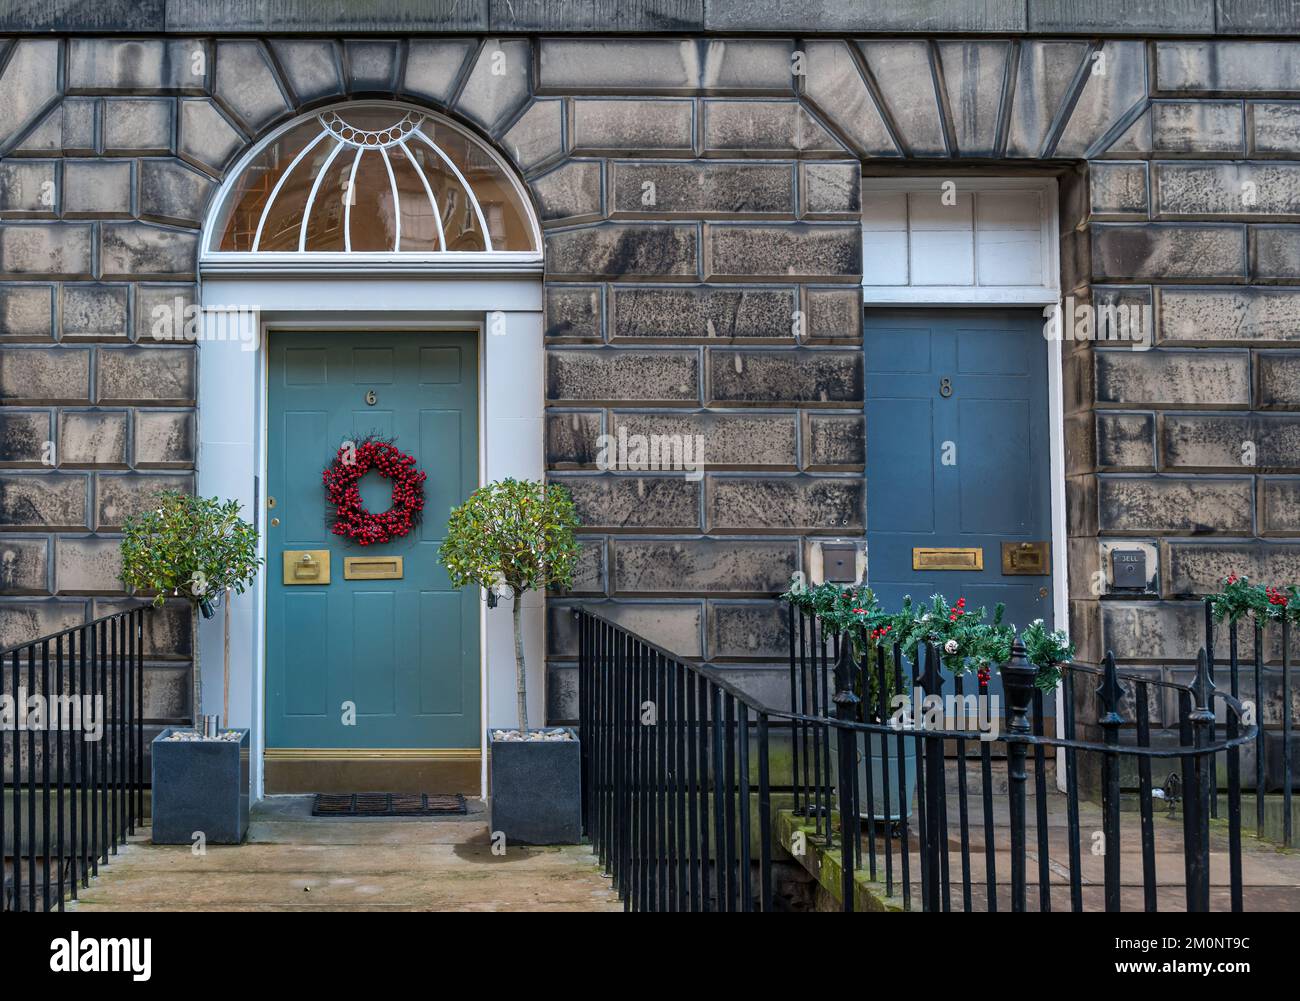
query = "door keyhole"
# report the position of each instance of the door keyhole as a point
(945, 387)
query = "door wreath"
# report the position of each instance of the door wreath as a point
(343, 476)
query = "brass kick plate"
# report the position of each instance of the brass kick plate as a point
(306, 566)
(948, 559)
(372, 568)
(1033, 559)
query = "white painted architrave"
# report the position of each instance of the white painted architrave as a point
(240, 312)
(1046, 294)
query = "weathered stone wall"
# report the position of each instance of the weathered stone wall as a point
(700, 199)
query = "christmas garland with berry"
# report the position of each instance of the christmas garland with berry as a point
(342, 479)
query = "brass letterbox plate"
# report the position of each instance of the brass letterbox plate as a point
(306, 566)
(1032, 559)
(948, 558)
(372, 568)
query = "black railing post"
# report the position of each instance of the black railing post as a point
(1110, 720)
(1202, 717)
(1018, 688)
(846, 710)
(764, 817)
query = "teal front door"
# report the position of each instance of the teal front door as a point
(958, 458)
(388, 662)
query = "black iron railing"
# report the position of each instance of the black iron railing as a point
(1259, 682)
(73, 774)
(680, 766)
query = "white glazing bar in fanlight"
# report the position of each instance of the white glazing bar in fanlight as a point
(266, 209)
(433, 202)
(397, 201)
(311, 197)
(487, 237)
(349, 197)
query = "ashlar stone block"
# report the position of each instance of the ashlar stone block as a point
(141, 250)
(605, 375)
(800, 250)
(615, 126)
(164, 439)
(97, 188)
(138, 126)
(312, 68)
(24, 565)
(1175, 505)
(831, 190)
(630, 502)
(246, 84)
(43, 500)
(1228, 189)
(786, 503)
(1278, 385)
(372, 65)
(1228, 315)
(28, 189)
(763, 128)
(538, 135)
(92, 438)
(45, 375)
(740, 377)
(148, 375)
(720, 440)
(434, 66)
(87, 565)
(702, 189)
(45, 249)
(102, 65)
(1168, 251)
(703, 311)
(573, 311)
(498, 83)
(26, 312)
(119, 496)
(1231, 442)
(973, 74)
(173, 193)
(95, 311)
(645, 250)
(1165, 377)
(1198, 127)
(25, 438)
(571, 192)
(703, 566)
(1126, 441)
(207, 139)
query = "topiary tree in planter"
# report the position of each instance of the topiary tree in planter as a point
(196, 548)
(509, 537)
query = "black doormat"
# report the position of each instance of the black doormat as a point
(386, 804)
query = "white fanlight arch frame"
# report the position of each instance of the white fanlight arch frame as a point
(407, 131)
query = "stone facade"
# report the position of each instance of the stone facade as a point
(700, 196)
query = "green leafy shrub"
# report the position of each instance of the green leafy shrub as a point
(513, 536)
(189, 547)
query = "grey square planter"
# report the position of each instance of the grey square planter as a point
(537, 790)
(200, 785)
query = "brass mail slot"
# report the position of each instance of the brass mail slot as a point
(306, 566)
(1033, 559)
(372, 568)
(948, 559)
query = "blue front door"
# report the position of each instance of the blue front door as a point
(370, 663)
(957, 454)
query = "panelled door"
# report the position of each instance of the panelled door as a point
(390, 661)
(958, 462)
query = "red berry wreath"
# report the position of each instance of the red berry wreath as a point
(342, 476)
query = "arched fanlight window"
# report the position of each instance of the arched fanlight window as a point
(373, 178)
